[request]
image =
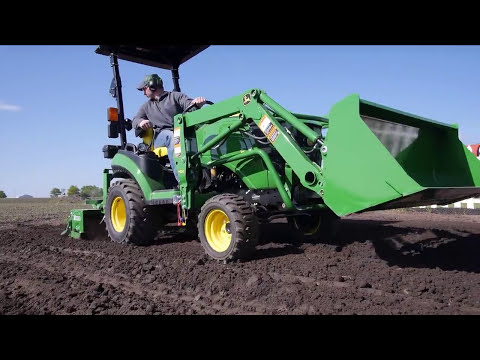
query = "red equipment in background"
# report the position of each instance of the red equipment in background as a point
(475, 149)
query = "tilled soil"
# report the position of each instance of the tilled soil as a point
(383, 262)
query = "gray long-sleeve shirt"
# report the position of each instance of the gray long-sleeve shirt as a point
(161, 112)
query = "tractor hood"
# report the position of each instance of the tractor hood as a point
(162, 56)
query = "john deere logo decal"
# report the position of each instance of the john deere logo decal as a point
(246, 99)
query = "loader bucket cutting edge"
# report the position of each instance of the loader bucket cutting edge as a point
(382, 158)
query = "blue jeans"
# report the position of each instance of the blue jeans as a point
(165, 138)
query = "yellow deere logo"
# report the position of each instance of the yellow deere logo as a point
(246, 99)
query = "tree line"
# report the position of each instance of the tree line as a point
(87, 191)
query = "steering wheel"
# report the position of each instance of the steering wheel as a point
(195, 105)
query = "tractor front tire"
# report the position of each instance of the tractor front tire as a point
(227, 228)
(127, 219)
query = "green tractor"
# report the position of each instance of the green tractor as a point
(247, 160)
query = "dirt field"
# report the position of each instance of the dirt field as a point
(385, 262)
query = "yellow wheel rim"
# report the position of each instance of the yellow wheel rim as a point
(118, 214)
(217, 230)
(309, 229)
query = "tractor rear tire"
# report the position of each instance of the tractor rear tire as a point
(127, 219)
(227, 228)
(318, 227)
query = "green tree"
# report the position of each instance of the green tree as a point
(2, 194)
(73, 190)
(55, 192)
(91, 191)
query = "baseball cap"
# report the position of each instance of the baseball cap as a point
(156, 80)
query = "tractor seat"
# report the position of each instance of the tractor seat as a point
(147, 136)
(161, 151)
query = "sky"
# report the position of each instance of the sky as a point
(54, 99)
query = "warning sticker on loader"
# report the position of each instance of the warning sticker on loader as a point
(247, 98)
(177, 147)
(268, 128)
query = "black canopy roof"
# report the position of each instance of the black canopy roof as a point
(163, 56)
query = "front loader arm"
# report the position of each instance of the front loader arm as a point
(253, 106)
(308, 172)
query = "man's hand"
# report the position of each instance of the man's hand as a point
(145, 124)
(200, 101)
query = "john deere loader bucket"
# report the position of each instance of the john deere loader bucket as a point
(382, 158)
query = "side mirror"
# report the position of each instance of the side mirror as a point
(128, 124)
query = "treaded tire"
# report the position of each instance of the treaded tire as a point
(137, 227)
(242, 226)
